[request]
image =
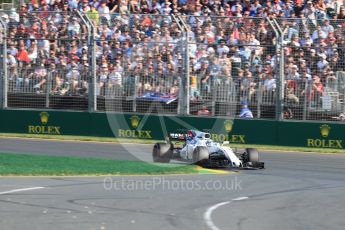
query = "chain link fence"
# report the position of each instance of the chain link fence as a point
(232, 60)
(314, 65)
(47, 60)
(140, 63)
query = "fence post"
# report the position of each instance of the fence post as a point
(187, 102)
(184, 95)
(306, 98)
(135, 94)
(259, 100)
(281, 78)
(48, 88)
(92, 96)
(4, 78)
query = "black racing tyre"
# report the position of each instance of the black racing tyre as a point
(252, 155)
(162, 152)
(200, 155)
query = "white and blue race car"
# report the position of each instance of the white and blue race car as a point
(196, 147)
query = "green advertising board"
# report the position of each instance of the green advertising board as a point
(311, 134)
(156, 127)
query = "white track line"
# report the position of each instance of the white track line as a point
(20, 190)
(208, 213)
(241, 198)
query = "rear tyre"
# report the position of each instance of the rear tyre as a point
(162, 152)
(252, 155)
(200, 155)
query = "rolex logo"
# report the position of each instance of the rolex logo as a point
(325, 130)
(228, 125)
(44, 117)
(135, 121)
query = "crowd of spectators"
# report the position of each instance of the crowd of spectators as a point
(139, 47)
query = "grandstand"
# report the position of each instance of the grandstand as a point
(150, 56)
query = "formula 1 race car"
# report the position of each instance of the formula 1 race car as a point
(196, 147)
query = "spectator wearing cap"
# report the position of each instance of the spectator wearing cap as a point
(293, 73)
(305, 40)
(305, 75)
(11, 61)
(335, 62)
(125, 36)
(245, 111)
(84, 6)
(322, 63)
(237, 7)
(309, 11)
(287, 10)
(115, 78)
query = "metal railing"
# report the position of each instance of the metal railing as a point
(3, 64)
(173, 64)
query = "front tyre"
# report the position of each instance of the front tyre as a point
(200, 155)
(252, 155)
(162, 152)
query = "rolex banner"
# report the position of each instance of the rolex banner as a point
(157, 127)
(313, 135)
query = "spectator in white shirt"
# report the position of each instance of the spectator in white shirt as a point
(318, 33)
(327, 27)
(222, 48)
(104, 11)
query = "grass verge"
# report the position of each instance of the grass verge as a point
(30, 165)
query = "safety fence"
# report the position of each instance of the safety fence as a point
(314, 66)
(173, 64)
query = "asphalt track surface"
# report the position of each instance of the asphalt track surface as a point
(295, 191)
